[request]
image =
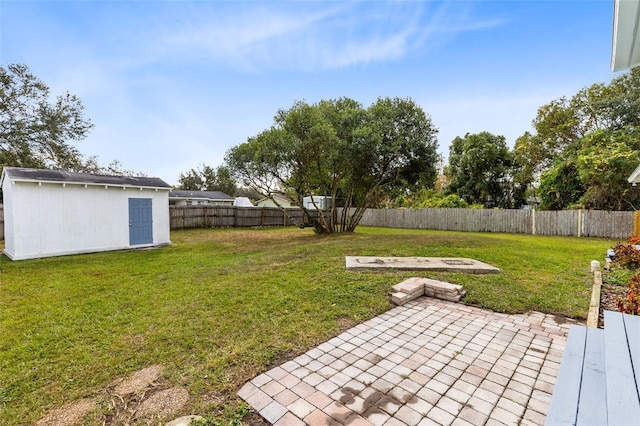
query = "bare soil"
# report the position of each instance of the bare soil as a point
(141, 398)
(70, 414)
(608, 295)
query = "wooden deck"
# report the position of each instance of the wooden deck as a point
(599, 378)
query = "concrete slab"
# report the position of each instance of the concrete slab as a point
(440, 264)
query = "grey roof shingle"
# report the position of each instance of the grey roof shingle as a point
(42, 175)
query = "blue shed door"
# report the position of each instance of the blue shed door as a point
(140, 222)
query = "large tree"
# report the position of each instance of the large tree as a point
(560, 187)
(206, 178)
(35, 131)
(481, 171)
(585, 146)
(339, 149)
(604, 163)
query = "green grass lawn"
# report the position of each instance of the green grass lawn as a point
(220, 306)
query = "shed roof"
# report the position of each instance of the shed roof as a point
(42, 175)
(208, 195)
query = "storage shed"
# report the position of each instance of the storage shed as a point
(53, 213)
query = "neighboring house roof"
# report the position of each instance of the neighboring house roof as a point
(21, 174)
(626, 35)
(200, 195)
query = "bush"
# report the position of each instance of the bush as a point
(626, 256)
(634, 240)
(630, 304)
(429, 199)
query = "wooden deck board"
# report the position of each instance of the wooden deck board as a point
(563, 409)
(623, 403)
(592, 408)
(632, 326)
(599, 378)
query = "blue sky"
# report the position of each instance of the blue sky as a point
(173, 84)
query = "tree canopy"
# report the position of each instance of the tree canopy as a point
(339, 149)
(584, 148)
(481, 170)
(206, 178)
(35, 132)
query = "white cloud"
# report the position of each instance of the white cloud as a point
(314, 36)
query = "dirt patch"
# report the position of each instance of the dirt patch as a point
(345, 323)
(163, 403)
(139, 381)
(560, 319)
(142, 398)
(254, 419)
(70, 414)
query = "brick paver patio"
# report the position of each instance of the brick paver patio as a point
(429, 362)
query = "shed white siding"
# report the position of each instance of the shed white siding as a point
(54, 218)
(321, 202)
(8, 215)
(283, 202)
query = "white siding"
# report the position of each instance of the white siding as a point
(51, 219)
(7, 195)
(321, 202)
(267, 202)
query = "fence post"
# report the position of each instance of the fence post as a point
(579, 233)
(235, 218)
(636, 223)
(533, 221)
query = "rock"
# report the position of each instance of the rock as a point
(184, 420)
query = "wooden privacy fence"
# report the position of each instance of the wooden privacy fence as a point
(578, 223)
(183, 217)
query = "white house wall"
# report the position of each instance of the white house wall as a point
(51, 219)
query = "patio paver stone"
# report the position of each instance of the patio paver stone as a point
(427, 362)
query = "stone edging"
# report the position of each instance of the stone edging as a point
(594, 306)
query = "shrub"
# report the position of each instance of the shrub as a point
(634, 241)
(626, 256)
(430, 199)
(630, 303)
